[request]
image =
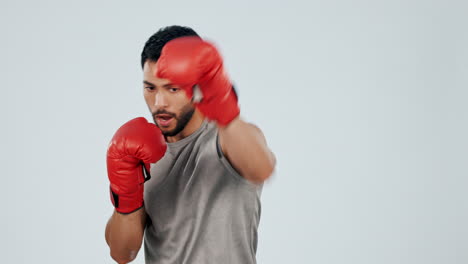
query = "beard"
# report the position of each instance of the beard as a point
(181, 120)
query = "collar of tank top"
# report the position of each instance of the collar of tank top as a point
(176, 146)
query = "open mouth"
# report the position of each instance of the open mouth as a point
(164, 120)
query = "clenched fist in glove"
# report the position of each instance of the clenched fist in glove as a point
(190, 61)
(133, 148)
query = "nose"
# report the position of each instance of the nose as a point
(160, 100)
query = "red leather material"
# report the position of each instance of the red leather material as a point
(135, 144)
(190, 61)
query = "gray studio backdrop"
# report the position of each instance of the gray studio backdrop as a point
(363, 102)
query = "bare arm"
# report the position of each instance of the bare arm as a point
(246, 149)
(124, 235)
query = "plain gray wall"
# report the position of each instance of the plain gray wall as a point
(364, 103)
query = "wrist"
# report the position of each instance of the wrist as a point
(232, 124)
(130, 212)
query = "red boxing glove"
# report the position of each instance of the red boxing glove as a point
(190, 61)
(133, 148)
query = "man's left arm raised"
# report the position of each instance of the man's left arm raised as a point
(245, 147)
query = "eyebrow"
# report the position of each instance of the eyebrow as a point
(146, 82)
(165, 85)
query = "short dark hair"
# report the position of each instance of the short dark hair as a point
(152, 49)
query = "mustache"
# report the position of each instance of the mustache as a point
(162, 112)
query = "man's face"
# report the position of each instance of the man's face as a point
(169, 105)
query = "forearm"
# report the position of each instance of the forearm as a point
(124, 235)
(246, 148)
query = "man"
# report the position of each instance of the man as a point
(201, 200)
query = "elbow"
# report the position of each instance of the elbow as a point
(270, 168)
(265, 172)
(123, 258)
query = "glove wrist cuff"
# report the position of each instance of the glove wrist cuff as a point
(229, 109)
(127, 203)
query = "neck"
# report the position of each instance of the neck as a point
(192, 126)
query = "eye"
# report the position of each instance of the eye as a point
(151, 88)
(173, 89)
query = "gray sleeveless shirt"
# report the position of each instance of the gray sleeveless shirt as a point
(200, 209)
